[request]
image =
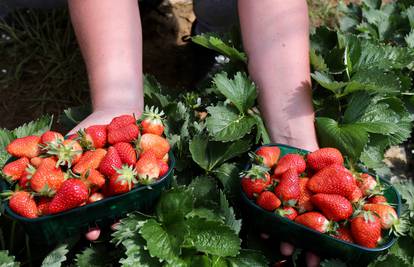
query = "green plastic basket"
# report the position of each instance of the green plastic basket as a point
(306, 238)
(51, 229)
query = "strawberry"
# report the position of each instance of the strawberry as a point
(24, 147)
(152, 121)
(314, 220)
(121, 121)
(122, 180)
(13, 170)
(388, 217)
(147, 168)
(36, 161)
(334, 179)
(255, 180)
(288, 190)
(23, 204)
(51, 137)
(366, 229)
(163, 167)
(304, 201)
(158, 144)
(268, 155)
(43, 204)
(367, 184)
(289, 161)
(110, 162)
(356, 195)
(95, 197)
(47, 178)
(72, 137)
(24, 180)
(127, 134)
(71, 194)
(334, 207)
(268, 201)
(378, 199)
(126, 152)
(344, 233)
(324, 157)
(93, 137)
(93, 178)
(89, 160)
(287, 212)
(68, 152)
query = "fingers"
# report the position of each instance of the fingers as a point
(93, 234)
(286, 249)
(312, 260)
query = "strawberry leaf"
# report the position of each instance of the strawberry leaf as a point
(388, 260)
(7, 260)
(56, 257)
(326, 81)
(228, 213)
(173, 205)
(240, 90)
(95, 256)
(37, 127)
(73, 116)
(403, 249)
(374, 80)
(409, 38)
(248, 258)
(350, 139)
(153, 93)
(204, 192)
(226, 125)
(228, 175)
(317, 61)
(333, 263)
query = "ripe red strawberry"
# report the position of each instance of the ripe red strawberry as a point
(147, 168)
(71, 194)
(23, 204)
(95, 197)
(288, 161)
(43, 204)
(367, 184)
(366, 229)
(158, 144)
(152, 121)
(378, 199)
(123, 180)
(126, 134)
(287, 212)
(24, 147)
(67, 152)
(334, 207)
(268, 201)
(255, 181)
(335, 179)
(14, 170)
(344, 233)
(51, 137)
(126, 152)
(121, 121)
(356, 195)
(93, 137)
(47, 178)
(163, 167)
(24, 180)
(36, 161)
(268, 155)
(388, 217)
(324, 157)
(288, 190)
(89, 160)
(304, 202)
(314, 220)
(110, 162)
(93, 179)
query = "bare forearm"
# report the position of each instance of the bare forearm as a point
(109, 35)
(276, 38)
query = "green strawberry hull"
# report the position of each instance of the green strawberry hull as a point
(309, 239)
(52, 229)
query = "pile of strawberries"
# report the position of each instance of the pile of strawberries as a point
(317, 191)
(54, 175)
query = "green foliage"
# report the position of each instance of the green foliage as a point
(56, 257)
(7, 260)
(333, 263)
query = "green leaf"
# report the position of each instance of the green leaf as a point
(406, 190)
(7, 260)
(204, 192)
(6, 136)
(240, 90)
(410, 39)
(225, 125)
(206, 214)
(374, 80)
(350, 139)
(333, 263)
(228, 175)
(327, 82)
(37, 127)
(261, 130)
(95, 256)
(159, 243)
(213, 42)
(209, 154)
(153, 92)
(137, 254)
(387, 261)
(173, 205)
(248, 258)
(317, 61)
(372, 157)
(73, 116)
(128, 227)
(212, 238)
(403, 249)
(410, 14)
(56, 257)
(228, 213)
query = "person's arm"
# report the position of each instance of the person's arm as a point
(109, 35)
(276, 38)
